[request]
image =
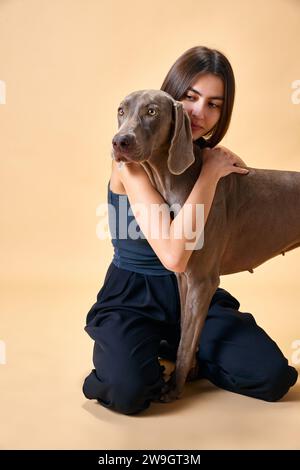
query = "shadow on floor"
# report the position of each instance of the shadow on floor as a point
(199, 389)
(192, 390)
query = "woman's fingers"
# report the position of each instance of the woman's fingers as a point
(235, 158)
(222, 162)
(240, 162)
(238, 169)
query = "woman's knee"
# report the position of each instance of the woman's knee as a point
(272, 383)
(268, 382)
(128, 397)
(278, 380)
(125, 395)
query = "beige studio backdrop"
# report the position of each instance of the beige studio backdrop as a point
(64, 67)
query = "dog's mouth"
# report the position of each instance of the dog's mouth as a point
(126, 148)
(121, 156)
(126, 156)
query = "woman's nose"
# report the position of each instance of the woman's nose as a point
(198, 111)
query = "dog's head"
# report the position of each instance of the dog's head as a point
(151, 123)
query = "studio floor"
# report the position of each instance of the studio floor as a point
(42, 406)
(65, 67)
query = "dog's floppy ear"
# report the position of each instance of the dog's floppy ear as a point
(181, 154)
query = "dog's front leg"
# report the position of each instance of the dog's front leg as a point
(182, 281)
(182, 287)
(199, 294)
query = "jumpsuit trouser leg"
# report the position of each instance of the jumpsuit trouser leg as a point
(134, 313)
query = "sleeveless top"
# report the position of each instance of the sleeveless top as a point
(132, 252)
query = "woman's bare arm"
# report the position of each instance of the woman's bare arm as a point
(170, 250)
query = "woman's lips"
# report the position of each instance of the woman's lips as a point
(195, 127)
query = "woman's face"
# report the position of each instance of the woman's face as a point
(203, 102)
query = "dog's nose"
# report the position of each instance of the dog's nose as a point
(124, 142)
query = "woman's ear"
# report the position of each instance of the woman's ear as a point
(181, 154)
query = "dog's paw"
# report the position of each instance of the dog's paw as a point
(170, 391)
(169, 396)
(193, 373)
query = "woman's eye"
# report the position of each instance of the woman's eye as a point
(120, 111)
(213, 105)
(189, 96)
(152, 112)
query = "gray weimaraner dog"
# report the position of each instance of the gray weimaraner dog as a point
(252, 219)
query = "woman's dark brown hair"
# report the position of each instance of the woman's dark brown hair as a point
(187, 69)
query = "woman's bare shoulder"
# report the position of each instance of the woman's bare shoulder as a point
(135, 175)
(131, 174)
(116, 184)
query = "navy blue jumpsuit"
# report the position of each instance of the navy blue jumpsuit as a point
(136, 320)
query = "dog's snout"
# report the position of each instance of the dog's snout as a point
(123, 142)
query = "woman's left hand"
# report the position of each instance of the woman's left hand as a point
(228, 152)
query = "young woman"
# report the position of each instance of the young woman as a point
(136, 318)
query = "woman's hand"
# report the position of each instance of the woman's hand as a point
(219, 162)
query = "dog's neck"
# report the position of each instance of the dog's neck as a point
(161, 177)
(159, 174)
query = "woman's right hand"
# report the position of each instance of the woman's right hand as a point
(219, 162)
